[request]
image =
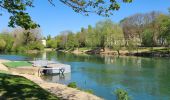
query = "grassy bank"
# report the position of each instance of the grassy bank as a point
(15, 64)
(19, 88)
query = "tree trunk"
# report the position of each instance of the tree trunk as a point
(118, 52)
(103, 49)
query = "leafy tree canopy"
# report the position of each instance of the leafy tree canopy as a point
(19, 16)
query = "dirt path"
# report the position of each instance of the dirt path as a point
(60, 90)
(2, 67)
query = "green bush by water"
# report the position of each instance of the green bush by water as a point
(122, 94)
(72, 85)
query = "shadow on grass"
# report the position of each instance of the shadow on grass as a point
(19, 88)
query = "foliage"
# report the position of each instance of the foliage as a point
(48, 37)
(9, 41)
(20, 48)
(122, 94)
(72, 85)
(147, 30)
(152, 29)
(71, 41)
(100, 7)
(164, 23)
(117, 46)
(104, 34)
(20, 40)
(2, 44)
(147, 38)
(17, 10)
(35, 46)
(132, 45)
(51, 43)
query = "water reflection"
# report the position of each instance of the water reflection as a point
(57, 78)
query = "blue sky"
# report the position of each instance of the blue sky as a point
(53, 20)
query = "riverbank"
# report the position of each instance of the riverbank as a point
(59, 90)
(141, 52)
(14, 87)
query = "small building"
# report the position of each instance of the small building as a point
(44, 42)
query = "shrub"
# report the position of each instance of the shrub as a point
(35, 46)
(72, 85)
(52, 44)
(22, 49)
(122, 94)
(2, 45)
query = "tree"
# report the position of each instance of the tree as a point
(107, 33)
(164, 22)
(82, 37)
(17, 10)
(71, 41)
(134, 26)
(48, 37)
(147, 38)
(9, 40)
(117, 46)
(2, 45)
(100, 7)
(52, 43)
(19, 16)
(132, 45)
(91, 40)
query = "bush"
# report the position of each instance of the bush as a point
(21, 49)
(31, 46)
(52, 44)
(72, 85)
(2, 45)
(122, 94)
(35, 46)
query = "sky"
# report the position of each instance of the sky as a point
(54, 20)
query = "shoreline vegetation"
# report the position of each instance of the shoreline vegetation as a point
(141, 34)
(26, 86)
(141, 52)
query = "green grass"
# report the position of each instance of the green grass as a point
(84, 49)
(1, 71)
(72, 85)
(15, 64)
(14, 87)
(152, 49)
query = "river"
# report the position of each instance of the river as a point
(142, 78)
